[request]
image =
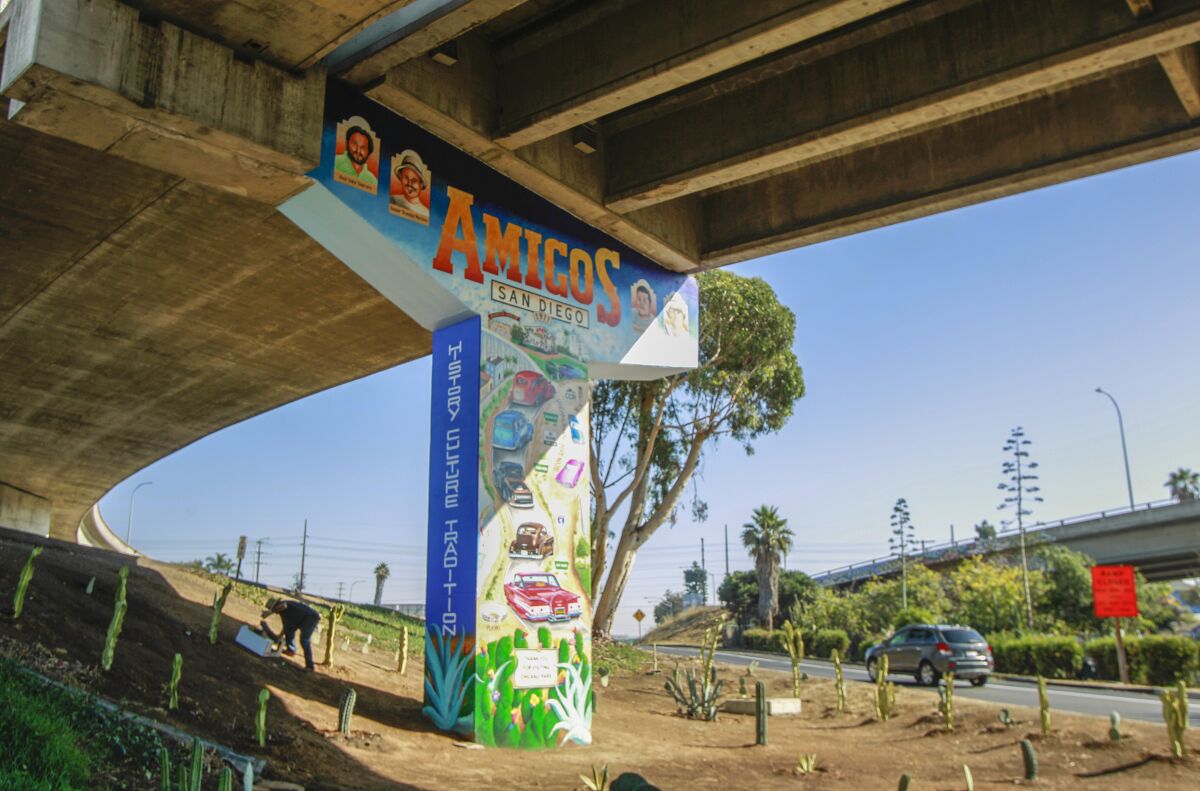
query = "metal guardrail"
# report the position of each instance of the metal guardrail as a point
(952, 550)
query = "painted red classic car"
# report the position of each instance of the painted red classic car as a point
(537, 596)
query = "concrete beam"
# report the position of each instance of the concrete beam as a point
(645, 49)
(24, 511)
(980, 57)
(89, 71)
(413, 38)
(1090, 128)
(1182, 67)
(457, 103)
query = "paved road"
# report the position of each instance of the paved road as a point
(1131, 705)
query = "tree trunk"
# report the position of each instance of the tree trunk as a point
(766, 606)
(618, 577)
(378, 590)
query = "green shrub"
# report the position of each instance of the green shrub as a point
(912, 615)
(1103, 651)
(762, 640)
(826, 641)
(1037, 655)
(1169, 658)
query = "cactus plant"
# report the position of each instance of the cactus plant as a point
(1030, 759)
(1181, 703)
(807, 764)
(164, 760)
(196, 772)
(1006, 718)
(225, 780)
(118, 618)
(794, 641)
(605, 675)
(346, 710)
(23, 582)
(91, 586)
(760, 713)
(1114, 726)
(970, 779)
(218, 604)
(840, 681)
(173, 684)
(946, 701)
(248, 777)
(336, 612)
(1175, 715)
(260, 718)
(1044, 705)
(701, 697)
(905, 779)
(402, 653)
(885, 692)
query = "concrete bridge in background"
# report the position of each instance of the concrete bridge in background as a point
(1161, 539)
(151, 293)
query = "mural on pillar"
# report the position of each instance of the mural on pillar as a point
(533, 636)
(525, 302)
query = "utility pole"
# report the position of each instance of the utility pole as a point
(341, 585)
(726, 551)
(257, 557)
(952, 543)
(704, 568)
(303, 552)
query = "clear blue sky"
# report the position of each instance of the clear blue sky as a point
(923, 344)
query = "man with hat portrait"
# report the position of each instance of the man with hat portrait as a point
(409, 193)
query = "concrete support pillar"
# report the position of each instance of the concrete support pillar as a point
(100, 74)
(24, 511)
(509, 557)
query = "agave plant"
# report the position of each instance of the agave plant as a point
(445, 685)
(572, 705)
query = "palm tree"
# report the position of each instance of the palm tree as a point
(1184, 484)
(219, 563)
(767, 537)
(382, 572)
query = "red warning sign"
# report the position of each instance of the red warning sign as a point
(1114, 593)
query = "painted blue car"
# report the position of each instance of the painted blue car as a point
(511, 431)
(576, 431)
(565, 370)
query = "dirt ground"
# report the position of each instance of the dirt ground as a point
(635, 728)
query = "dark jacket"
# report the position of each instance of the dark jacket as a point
(297, 615)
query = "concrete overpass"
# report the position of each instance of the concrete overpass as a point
(1161, 539)
(150, 293)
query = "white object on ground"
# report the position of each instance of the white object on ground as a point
(254, 643)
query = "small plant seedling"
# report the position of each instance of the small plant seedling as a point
(905, 779)
(807, 764)
(970, 779)
(1005, 718)
(599, 779)
(91, 586)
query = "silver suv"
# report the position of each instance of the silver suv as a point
(929, 651)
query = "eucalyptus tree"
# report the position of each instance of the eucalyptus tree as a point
(648, 438)
(902, 543)
(1021, 490)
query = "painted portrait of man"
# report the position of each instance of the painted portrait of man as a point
(408, 194)
(356, 162)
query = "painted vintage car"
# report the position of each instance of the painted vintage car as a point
(510, 484)
(537, 596)
(533, 540)
(511, 431)
(531, 389)
(559, 369)
(568, 476)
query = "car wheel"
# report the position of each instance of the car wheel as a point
(927, 674)
(872, 669)
(979, 681)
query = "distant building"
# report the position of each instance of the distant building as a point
(502, 322)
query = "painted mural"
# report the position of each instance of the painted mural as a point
(533, 636)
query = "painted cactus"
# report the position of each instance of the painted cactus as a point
(448, 682)
(506, 716)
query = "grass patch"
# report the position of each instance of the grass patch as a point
(60, 740)
(617, 657)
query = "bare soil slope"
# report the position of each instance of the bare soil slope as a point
(686, 629)
(636, 726)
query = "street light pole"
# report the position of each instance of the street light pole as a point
(1124, 449)
(352, 584)
(129, 524)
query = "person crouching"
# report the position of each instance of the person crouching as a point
(296, 617)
